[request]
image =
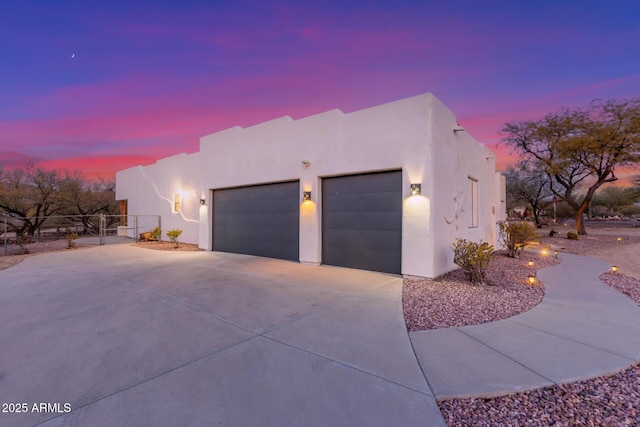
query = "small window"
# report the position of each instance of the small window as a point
(176, 202)
(473, 195)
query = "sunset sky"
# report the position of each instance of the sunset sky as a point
(102, 86)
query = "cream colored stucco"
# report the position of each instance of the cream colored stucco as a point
(414, 134)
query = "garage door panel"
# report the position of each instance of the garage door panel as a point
(261, 220)
(362, 184)
(347, 257)
(372, 239)
(371, 202)
(362, 221)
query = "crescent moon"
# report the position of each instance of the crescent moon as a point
(73, 55)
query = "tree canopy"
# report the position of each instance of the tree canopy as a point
(580, 149)
(31, 196)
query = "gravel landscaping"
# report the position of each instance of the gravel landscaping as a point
(451, 301)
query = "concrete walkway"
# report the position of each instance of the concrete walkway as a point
(581, 329)
(130, 336)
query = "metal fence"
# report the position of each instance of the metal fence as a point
(71, 227)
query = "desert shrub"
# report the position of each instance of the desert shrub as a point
(71, 239)
(516, 235)
(157, 233)
(572, 236)
(173, 236)
(473, 258)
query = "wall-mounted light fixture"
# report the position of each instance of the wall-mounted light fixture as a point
(614, 268)
(416, 189)
(202, 202)
(306, 164)
(306, 196)
(176, 202)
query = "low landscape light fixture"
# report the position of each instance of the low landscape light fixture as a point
(544, 252)
(556, 254)
(619, 239)
(530, 263)
(306, 196)
(416, 189)
(614, 268)
(531, 279)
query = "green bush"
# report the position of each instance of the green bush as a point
(572, 236)
(516, 235)
(157, 233)
(473, 258)
(173, 236)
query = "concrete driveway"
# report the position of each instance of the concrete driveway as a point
(127, 336)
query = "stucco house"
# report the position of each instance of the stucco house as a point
(387, 188)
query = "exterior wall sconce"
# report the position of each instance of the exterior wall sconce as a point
(614, 269)
(202, 202)
(531, 279)
(176, 202)
(416, 189)
(306, 164)
(306, 196)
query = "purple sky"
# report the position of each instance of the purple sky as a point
(101, 86)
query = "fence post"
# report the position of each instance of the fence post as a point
(5, 235)
(101, 229)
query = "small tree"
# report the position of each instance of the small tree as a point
(580, 148)
(173, 236)
(473, 258)
(528, 185)
(515, 235)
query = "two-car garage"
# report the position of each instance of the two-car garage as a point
(361, 220)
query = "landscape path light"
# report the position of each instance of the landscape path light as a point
(614, 268)
(531, 279)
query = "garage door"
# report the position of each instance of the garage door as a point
(261, 220)
(362, 221)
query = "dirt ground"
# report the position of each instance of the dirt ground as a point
(601, 242)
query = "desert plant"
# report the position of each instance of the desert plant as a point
(572, 236)
(173, 236)
(157, 233)
(516, 235)
(473, 258)
(71, 239)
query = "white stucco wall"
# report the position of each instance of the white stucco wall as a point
(414, 135)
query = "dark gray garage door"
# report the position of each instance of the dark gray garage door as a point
(362, 221)
(261, 220)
